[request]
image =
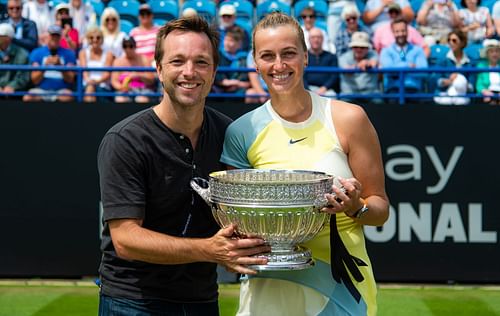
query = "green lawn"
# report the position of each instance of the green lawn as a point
(81, 300)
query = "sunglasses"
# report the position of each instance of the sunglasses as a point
(111, 19)
(95, 38)
(351, 18)
(14, 8)
(226, 16)
(306, 16)
(453, 40)
(128, 46)
(145, 13)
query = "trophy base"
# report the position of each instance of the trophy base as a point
(297, 259)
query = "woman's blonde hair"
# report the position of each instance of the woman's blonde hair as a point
(93, 30)
(275, 19)
(110, 12)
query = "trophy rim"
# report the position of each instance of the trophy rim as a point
(218, 176)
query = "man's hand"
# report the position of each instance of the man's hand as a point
(234, 252)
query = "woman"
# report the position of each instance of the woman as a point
(451, 85)
(476, 21)
(95, 56)
(329, 136)
(70, 37)
(436, 19)
(110, 27)
(488, 83)
(135, 82)
(350, 17)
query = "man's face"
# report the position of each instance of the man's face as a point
(309, 18)
(227, 20)
(316, 39)
(14, 9)
(187, 70)
(359, 52)
(54, 40)
(145, 17)
(400, 31)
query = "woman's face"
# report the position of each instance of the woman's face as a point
(94, 39)
(493, 55)
(454, 42)
(111, 23)
(471, 3)
(280, 58)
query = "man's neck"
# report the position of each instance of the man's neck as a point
(15, 20)
(316, 52)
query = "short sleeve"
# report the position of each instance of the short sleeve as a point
(234, 152)
(121, 178)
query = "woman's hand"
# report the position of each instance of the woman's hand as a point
(346, 197)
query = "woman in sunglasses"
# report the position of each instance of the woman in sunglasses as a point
(308, 22)
(350, 24)
(95, 56)
(113, 36)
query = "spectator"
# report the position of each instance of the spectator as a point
(488, 83)
(436, 19)
(83, 16)
(450, 85)
(39, 12)
(495, 15)
(110, 27)
(322, 83)
(50, 85)
(227, 21)
(145, 34)
(334, 19)
(231, 56)
(362, 57)
(95, 56)
(377, 12)
(350, 24)
(308, 19)
(132, 81)
(402, 54)
(70, 37)
(384, 36)
(25, 33)
(476, 21)
(189, 13)
(11, 54)
(257, 84)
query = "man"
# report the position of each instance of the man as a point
(52, 85)
(308, 17)
(231, 56)
(25, 32)
(83, 16)
(376, 12)
(227, 21)
(359, 57)
(145, 33)
(384, 37)
(323, 83)
(160, 242)
(11, 54)
(131, 81)
(405, 55)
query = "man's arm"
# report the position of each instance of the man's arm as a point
(133, 242)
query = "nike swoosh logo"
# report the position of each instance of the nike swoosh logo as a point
(297, 140)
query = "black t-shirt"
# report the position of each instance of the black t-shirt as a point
(145, 169)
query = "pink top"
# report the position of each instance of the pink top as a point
(383, 37)
(73, 34)
(145, 40)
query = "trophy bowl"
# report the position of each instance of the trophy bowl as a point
(280, 206)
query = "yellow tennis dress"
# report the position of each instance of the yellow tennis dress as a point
(261, 139)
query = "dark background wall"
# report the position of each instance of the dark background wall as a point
(441, 168)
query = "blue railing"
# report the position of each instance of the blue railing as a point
(401, 72)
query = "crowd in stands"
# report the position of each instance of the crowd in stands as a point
(343, 34)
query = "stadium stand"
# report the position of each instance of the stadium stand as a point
(127, 9)
(205, 8)
(320, 8)
(244, 10)
(269, 6)
(164, 10)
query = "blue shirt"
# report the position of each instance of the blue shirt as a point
(53, 79)
(396, 57)
(322, 79)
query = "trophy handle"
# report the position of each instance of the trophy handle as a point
(202, 187)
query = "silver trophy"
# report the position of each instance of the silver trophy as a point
(280, 206)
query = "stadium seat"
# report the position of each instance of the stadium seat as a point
(415, 5)
(438, 54)
(126, 26)
(320, 8)
(489, 4)
(164, 9)
(98, 6)
(474, 53)
(244, 9)
(205, 8)
(127, 9)
(160, 22)
(269, 6)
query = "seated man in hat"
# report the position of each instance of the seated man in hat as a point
(11, 54)
(362, 57)
(52, 85)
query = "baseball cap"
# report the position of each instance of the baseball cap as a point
(360, 39)
(227, 9)
(6, 30)
(394, 7)
(55, 29)
(61, 6)
(145, 8)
